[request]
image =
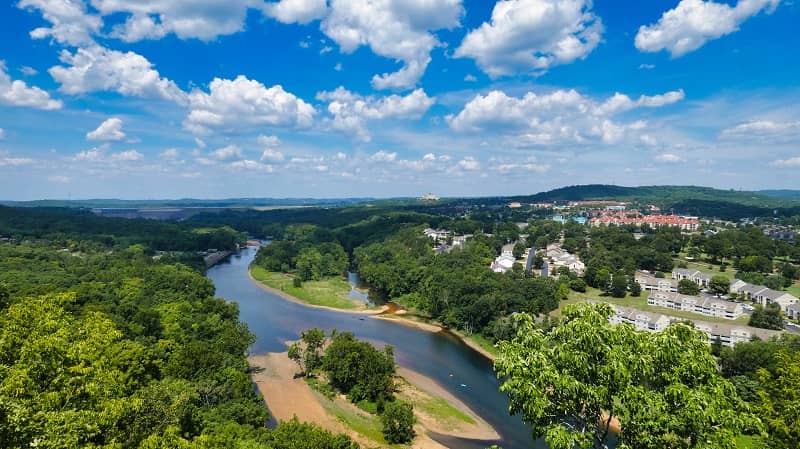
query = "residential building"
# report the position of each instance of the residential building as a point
(763, 295)
(707, 306)
(560, 257)
(649, 282)
(737, 285)
(729, 334)
(514, 205)
(505, 261)
(793, 311)
(437, 235)
(429, 197)
(698, 277)
(654, 221)
(780, 233)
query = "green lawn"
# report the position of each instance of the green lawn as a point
(711, 269)
(640, 303)
(794, 289)
(354, 418)
(443, 411)
(329, 292)
(485, 343)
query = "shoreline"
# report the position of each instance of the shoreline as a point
(382, 313)
(287, 397)
(296, 300)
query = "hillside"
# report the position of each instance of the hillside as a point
(693, 200)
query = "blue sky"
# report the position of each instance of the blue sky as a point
(335, 98)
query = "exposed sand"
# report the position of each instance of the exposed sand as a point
(287, 397)
(295, 300)
(400, 319)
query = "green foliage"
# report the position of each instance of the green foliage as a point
(578, 285)
(398, 421)
(688, 287)
(619, 285)
(780, 400)
(719, 284)
(358, 369)
(775, 282)
(768, 317)
(664, 387)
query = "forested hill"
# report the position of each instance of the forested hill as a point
(704, 201)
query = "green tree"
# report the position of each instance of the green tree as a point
(578, 285)
(775, 282)
(358, 369)
(519, 250)
(619, 285)
(719, 284)
(398, 422)
(768, 317)
(780, 400)
(664, 387)
(635, 287)
(688, 287)
(309, 263)
(5, 297)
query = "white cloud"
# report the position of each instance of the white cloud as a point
(669, 158)
(792, 162)
(110, 129)
(530, 165)
(296, 11)
(92, 155)
(397, 29)
(187, 19)
(338, 67)
(351, 111)
(243, 103)
(59, 179)
(556, 117)
(250, 165)
(170, 154)
(18, 93)
(470, 78)
(70, 21)
(647, 66)
(468, 163)
(97, 68)
(272, 155)
(199, 142)
(531, 36)
(28, 71)
(127, 156)
(692, 23)
(268, 141)
(8, 161)
(763, 129)
(383, 156)
(225, 153)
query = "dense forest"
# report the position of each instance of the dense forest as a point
(103, 345)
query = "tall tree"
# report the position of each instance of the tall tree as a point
(571, 381)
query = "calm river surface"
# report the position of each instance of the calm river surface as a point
(441, 357)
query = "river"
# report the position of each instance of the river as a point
(439, 356)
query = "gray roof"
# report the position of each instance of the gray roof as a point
(705, 302)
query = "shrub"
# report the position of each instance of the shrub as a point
(398, 422)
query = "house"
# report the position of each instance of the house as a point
(641, 320)
(737, 285)
(648, 282)
(429, 197)
(728, 334)
(767, 296)
(793, 311)
(514, 205)
(698, 277)
(780, 233)
(562, 258)
(505, 261)
(707, 306)
(437, 235)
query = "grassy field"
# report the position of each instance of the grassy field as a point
(329, 292)
(640, 303)
(485, 343)
(711, 269)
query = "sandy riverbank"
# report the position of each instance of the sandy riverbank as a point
(287, 397)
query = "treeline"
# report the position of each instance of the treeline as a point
(80, 229)
(116, 349)
(455, 288)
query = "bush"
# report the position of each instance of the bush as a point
(578, 285)
(297, 282)
(688, 287)
(398, 422)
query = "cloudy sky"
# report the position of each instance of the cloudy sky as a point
(334, 98)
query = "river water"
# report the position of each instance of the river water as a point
(439, 356)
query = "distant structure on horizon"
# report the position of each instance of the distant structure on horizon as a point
(429, 197)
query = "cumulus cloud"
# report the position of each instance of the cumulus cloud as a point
(271, 154)
(350, 112)
(529, 165)
(96, 68)
(468, 163)
(268, 141)
(383, 156)
(556, 117)
(170, 154)
(18, 93)
(225, 153)
(242, 103)
(98, 156)
(127, 156)
(59, 179)
(531, 36)
(669, 158)
(763, 129)
(110, 129)
(792, 162)
(28, 71)
(9, 161)
(296, 11)
(187, 19)
(250, 165)
(397, 29)
(692, 23)
(69, 19)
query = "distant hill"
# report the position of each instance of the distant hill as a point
(784, 194)
(689, 200)
(186, 203)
